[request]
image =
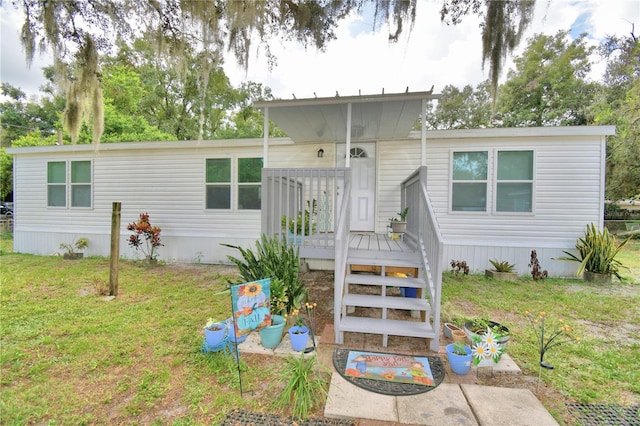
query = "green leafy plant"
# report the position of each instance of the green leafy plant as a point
(403, 216)
(502, 266)
(273, 258)
(75, 246)
(145, 237)
(305, 386)
(458, 348)
(480, 324)
(597, 252)
(303, 223)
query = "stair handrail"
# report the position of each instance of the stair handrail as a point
(341, 239)
(424, 232)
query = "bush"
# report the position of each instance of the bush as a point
(273, 258)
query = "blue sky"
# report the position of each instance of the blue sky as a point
(361, 60)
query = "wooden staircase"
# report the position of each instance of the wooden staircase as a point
(374, 280)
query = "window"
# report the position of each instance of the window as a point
(218, 179)
(249, 183)
(57, 184)
(514, 181)
(81, 184)
(469, 181)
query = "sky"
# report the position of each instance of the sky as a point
(361, 61)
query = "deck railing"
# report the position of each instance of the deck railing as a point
(303, 203)
(424, 233)
(341, 249)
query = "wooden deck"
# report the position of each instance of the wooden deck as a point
(377, 242)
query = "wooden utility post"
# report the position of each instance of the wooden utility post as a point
(115, 248)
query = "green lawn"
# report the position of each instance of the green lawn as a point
(70, 357)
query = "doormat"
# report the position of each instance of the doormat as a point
(389, 374)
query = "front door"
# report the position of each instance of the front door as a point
(363, 184)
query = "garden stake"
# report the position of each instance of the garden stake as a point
(312, 331)
(235, 344)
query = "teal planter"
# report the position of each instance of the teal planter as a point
(271, 336)
(232, 333)
(299, 337)
(460, 364)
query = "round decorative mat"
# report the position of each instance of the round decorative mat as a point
(384, 387)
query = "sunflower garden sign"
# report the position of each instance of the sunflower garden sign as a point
(251, 306)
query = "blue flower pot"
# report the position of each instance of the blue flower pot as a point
(232, 333)
(214, 335)
(299, 337)
(460, 364)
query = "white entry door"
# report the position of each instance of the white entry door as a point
(363, 184)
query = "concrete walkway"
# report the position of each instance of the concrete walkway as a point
(458, 400)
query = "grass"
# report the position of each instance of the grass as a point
(69, 356)
(605, 318)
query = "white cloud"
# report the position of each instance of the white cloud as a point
(359, 60)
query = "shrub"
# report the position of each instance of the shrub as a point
(597, 252)
(273, 258)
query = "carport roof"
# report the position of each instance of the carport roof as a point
(373, 117)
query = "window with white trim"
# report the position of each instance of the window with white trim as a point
(514, 181)
(239, 180)
(250, 183)
(218, 180)
(57, 184)
(79, 186)
(469, 181)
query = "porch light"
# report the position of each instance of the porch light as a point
(320, 153)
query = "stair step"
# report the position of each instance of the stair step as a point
(387, 327)
(392, 302)
(388, 259)
(368, 279)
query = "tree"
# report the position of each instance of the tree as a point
(619, 104)
(78, 32)
(468, 108)
(548, 87)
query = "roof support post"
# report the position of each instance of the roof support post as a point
(265, 144)
(423, 134)
(348, 134)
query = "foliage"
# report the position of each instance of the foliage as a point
(480, 324)
(502, 266)
(548, 86)
(304, 222)
(79, 244)
(458, 266)
(597, 252)
(150, 234)
(276, 259)
(537, 273)
(551, 339)
(468, 108)
(304, 388)
(458, 348)
(402, 216)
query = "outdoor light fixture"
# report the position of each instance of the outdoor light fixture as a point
(320, 153)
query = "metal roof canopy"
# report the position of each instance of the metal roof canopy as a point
(372, 117)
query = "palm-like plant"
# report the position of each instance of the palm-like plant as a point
(597, 252)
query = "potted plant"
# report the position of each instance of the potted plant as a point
(503, 271)
(298, 333)
(214, 332)
(477, 327)
(73, 249)
(399, 225)
(302, 224)
(459, 356)
(597, 252)
(271, 335)
(145, 238)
